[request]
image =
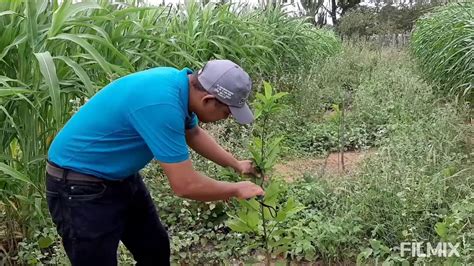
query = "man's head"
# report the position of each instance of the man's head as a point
(219, 89)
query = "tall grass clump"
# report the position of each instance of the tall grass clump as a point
(52, 52)
(443, 43)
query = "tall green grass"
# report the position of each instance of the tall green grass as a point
(52, 52)
(443, 43)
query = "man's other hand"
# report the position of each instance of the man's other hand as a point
(247, 190)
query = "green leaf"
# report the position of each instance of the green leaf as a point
(261, 98)
(81, 73)
(237, 225)
(32, 28)
(251, 204)
(268, 90)
(291, 208)
(253, 220)
(364, 255)
(385, 249)
(279, 95)
(15, 174)
(18, 40)
(258, 113)
(271, 194)
(12, 91)
(8, 12)
(48, 70)
(110, 46)
(89, 48)
(256, 151)
(441, 229)
(283, 241)
(269, 163)
(65, 11)
(45, 242)
(272, 153)
(12, 122)
(5, 79)
(375, 244)
(42, 5)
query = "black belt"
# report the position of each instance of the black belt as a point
(61, 173)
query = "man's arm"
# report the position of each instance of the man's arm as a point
(188, 183)
(200, 141)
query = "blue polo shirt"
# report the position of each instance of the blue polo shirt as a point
(127, 123)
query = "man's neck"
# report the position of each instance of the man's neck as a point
(191, 94)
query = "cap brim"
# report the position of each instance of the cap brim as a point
(242, 115)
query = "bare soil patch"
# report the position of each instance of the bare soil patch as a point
(330, 166)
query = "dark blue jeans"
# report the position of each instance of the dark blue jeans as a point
(93, 217)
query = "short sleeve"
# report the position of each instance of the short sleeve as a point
(191, 121)
(162, 127)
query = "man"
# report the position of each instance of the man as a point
(96, 196)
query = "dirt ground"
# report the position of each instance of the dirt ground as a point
(330, 166)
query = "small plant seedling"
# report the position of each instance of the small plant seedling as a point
(262, 215)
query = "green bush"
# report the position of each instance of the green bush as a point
(443, 44)
(363, 22)
(360, 22)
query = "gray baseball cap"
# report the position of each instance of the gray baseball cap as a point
(230, 84)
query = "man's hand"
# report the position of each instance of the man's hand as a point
(187, 183)
(247, 190)
(246, 167)
(201, 142)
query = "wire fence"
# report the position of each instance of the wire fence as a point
(398, 40)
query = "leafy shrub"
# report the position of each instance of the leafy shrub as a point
(360, 22)
(42, 247)
(363, 21)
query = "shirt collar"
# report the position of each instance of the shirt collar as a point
(184, 89)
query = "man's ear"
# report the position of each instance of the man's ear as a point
(207, 99)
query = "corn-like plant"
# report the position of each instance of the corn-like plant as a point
(443, 43)
(263, 215)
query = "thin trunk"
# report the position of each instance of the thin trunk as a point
(264, 222)
(341, 136)
(333, 12)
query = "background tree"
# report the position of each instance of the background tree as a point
(384, 18)
(312, 8)
(338, 8)
(359, 22)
